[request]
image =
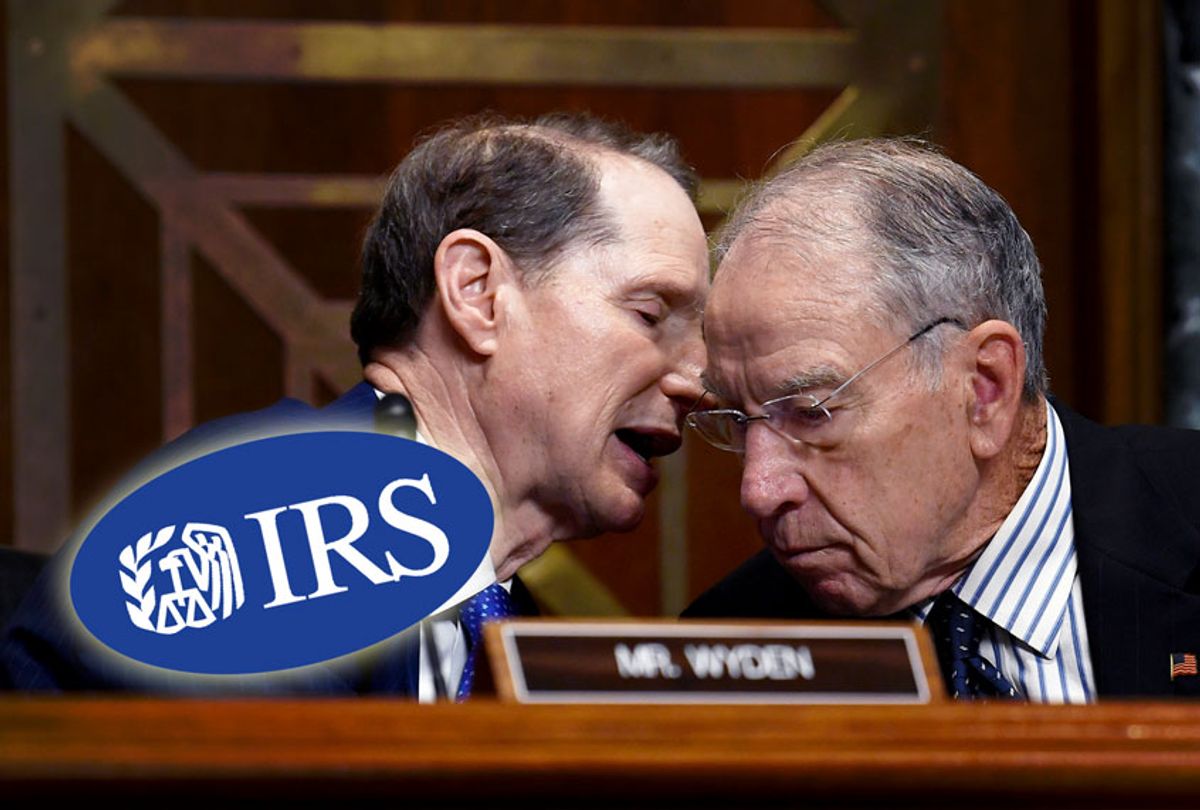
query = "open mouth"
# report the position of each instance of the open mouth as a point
(649, 443)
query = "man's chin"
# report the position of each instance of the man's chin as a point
(626, 521)
(623, 515)
(834, 598)
(837, 593)
(610, 517)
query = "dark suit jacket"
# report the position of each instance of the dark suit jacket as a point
(40, 650)
(1135, 495)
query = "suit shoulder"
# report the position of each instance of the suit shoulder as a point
(1170, 445)
(1169, 456)
(353, 410)
(1170, 459)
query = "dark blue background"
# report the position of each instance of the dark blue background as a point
(224, 486)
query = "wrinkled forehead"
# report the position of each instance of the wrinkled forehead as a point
(817, 232)
(768, 276)
(777, 310)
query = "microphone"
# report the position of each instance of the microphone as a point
(394, 415)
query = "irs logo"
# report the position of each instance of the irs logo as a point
(204, 577)
(344, 540)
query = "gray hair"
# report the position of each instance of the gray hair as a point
(939, 241)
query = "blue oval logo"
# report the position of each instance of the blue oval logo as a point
(281, 552)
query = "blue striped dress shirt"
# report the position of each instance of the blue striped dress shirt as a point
(1026, 584)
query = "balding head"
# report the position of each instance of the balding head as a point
(533, 187)
(932, 239)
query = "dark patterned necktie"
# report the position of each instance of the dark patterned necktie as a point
(956, 629)
(492, 603)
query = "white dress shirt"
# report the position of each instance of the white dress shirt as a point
(1026, 584)
(444, 632)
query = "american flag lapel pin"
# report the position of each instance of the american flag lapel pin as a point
(1182, 664)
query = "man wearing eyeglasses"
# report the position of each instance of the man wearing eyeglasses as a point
(874, 337)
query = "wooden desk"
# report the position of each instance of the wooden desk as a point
(1114, 755)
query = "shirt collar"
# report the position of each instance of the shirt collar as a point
(1022, 581)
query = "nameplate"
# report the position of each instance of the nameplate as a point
(559, 661)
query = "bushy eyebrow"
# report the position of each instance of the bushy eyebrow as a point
(810, 379)
(714, 388)
(799, 383)
(676, 295)
(820, 377)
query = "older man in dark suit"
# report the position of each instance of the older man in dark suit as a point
(874, 342)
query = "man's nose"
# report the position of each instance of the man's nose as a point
(681, 382)
(683, 389)
(771, 477)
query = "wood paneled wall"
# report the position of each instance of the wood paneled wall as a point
(1018, 99)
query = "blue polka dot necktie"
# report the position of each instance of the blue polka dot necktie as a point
(492, 603)
(956, 630)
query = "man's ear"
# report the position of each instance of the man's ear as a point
(469, 268)
(996, 355)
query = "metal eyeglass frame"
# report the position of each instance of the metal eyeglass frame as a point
(742, 419)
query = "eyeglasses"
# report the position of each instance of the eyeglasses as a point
(801, 418)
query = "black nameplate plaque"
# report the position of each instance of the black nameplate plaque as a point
(556, 661)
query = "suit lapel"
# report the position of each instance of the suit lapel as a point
(523, 599)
